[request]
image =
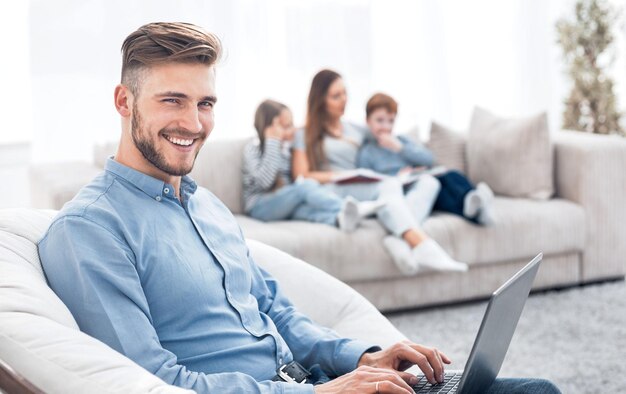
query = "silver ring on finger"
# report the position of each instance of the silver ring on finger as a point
(377, 383)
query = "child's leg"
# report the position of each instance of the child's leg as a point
(310, 213)
(454, 188)
(280, 204)
(421, 197)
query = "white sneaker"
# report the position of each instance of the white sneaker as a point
(486, 216)
(400, 253)
(430, 255)
(348, 218)
(471, 204)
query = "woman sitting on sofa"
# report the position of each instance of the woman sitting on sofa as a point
(268, 191)
(328, 145)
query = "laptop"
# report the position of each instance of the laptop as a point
(493, 338)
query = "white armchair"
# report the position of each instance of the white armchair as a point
(40, 343)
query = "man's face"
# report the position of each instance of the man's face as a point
(173, 115)
(381, 122)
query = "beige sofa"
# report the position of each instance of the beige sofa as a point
(581, 231)
(41, 347)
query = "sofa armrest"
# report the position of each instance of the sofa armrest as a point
(54, 184)
(591, 171)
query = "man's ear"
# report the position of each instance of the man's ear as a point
(123, 97)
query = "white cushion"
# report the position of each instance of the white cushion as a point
(448, 147)
(513, 156)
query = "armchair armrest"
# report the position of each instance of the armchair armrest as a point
(591, 171)
(325, 299)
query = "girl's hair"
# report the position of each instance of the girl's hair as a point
(264, 116)
(317, 117)
(381, 100)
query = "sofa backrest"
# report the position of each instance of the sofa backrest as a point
(218, 168)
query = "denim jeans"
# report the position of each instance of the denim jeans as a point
(522, 386)
(306, 200)
(395, 216)
(454, 188)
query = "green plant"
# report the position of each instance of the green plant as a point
(586, 42)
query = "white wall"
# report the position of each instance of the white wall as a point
(439, 58)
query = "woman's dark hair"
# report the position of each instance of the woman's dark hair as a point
(264, 116)
(317, 117)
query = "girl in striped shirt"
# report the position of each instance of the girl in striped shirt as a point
(269, 193)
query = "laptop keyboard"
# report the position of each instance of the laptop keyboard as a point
(450, 383)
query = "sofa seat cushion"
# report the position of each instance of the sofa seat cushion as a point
(524, 228)
(346, 256)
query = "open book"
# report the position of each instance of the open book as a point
(409, 177)
(360, 175)
(363, 175)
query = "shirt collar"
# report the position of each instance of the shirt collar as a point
(154, 188)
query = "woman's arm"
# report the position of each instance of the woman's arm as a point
(300, 167)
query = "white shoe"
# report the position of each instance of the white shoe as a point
(348, 218)
(430, 255)
(400, 253)
(471, 204)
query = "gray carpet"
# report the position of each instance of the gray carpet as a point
(574, 337)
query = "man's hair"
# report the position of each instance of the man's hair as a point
(163, 42)
(381, 100)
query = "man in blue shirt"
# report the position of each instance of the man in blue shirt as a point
(158, 269)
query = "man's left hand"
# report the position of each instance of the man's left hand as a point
(405, 354)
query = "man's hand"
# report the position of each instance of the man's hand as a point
(404, 354)
(368, 380)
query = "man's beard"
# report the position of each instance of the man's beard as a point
(147, 147)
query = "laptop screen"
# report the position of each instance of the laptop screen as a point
(496, 330)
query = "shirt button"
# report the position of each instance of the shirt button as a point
(166, 190)
(158, 198)
(280, 361)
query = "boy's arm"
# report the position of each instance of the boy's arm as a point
(416, 155)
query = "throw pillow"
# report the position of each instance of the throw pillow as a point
(447, 146)
(513, 156)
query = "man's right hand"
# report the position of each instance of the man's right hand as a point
(369, 380)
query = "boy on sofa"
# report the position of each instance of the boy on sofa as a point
(393, 155)
(269, 194)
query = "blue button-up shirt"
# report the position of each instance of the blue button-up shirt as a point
(170, 283)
